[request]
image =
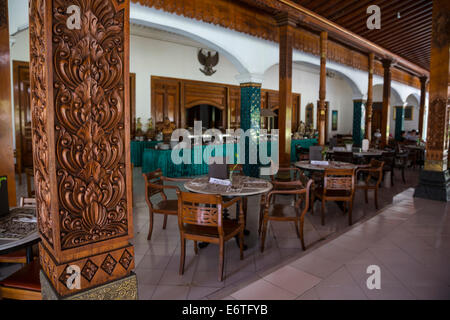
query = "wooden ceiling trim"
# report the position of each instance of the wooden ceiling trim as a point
(342, 12)
(258, 23)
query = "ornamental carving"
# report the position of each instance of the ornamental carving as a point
(39, 109)
(437, 128)
(89, 123)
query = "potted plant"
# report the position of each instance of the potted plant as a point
(348, 145)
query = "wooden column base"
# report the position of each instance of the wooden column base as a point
(434, 185)
(121, 289)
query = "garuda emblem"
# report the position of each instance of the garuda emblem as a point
(208, 61)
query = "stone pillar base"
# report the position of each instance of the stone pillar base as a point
(434, 185)
(121, 289)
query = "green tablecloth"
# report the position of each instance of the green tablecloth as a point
(153, 159)
(161, 159)
(137, 149)
(304, 143)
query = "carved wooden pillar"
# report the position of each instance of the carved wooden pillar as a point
(385, 116)
(6, 131)
(434, 182)
(423, 93)
(81, 132)
(369, 102)
(322, 87)
(286, 25)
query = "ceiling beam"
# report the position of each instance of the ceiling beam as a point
(314, 20)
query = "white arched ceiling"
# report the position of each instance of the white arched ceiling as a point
(413, 99)
(248, 54)
(396, 100)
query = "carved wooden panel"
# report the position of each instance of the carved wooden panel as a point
(165, 100)
(81, 131)
(89, 122)
(40, 117)
(198, 93)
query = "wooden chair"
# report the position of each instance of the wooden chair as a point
(154, 185)
(372, 180)
(388, 157)
(338, 185)
(201, 219)
(286, 212)
(301, 153)
(401, 161)
(343, 156)
(23, 284)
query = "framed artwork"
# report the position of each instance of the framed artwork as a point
(334, 120)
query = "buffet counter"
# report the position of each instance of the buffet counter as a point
(153, 159)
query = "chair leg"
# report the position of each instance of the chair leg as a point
(195, 247)
(376, 198)
(241, 244)
(392, 177)
(263, 236)
(150, 226)
(165, 222)
(313, 200)
(322, 212)
(183, 254)
(350, 209)
(221, 259)
(300, 230)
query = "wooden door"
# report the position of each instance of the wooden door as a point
(234, 106)
(22, 111)
(295, 111)
(165, 100)
(376, 116)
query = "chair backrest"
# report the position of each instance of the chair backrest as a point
(286, 174)
(300, 186)
(377, 175)
(339, 179)
(315, 153)
(200, 209)
(388, 157)
(27, 202)
(343, 156)
(153, 183)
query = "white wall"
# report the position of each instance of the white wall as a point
(150, 57)
(305, 80)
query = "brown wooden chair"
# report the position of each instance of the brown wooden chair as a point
(154, 185)
(23, 284)
(201, 219)
(338, 185)
(388, 157)
(343, 156)
(271, 211)
(372, 180)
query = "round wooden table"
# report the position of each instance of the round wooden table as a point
(18, 230)
(306, 165)
(242, 186)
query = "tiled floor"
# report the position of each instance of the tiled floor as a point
(157, 260)
(409, 241)
(327, 269)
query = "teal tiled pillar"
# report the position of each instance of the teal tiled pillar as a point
(358, 122)
(399, 119)
(251, 119)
